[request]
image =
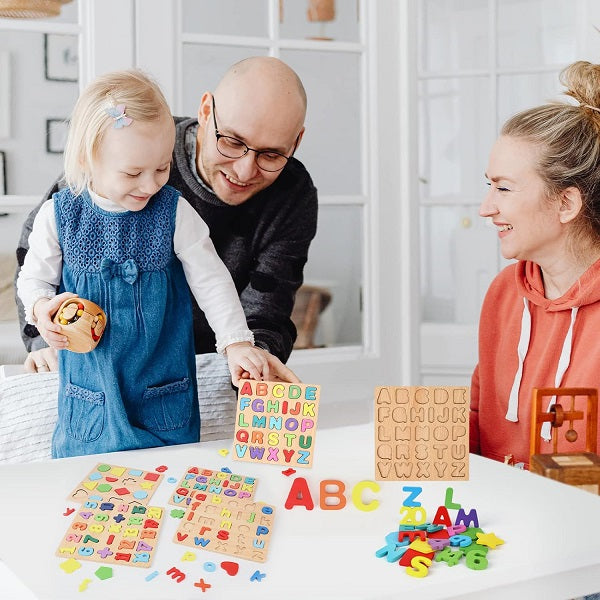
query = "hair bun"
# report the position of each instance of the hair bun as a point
(582, 80)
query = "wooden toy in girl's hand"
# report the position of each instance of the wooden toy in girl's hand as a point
(83, 322)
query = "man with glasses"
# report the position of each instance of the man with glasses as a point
(234, 164)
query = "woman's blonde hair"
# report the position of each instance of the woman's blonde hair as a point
(143, 99)
(567, 138)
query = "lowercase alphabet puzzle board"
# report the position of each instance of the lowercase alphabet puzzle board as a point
(117, 484)
(112, 533)
(421, 433)
(200, 485)
(232, 526)
(276, 423)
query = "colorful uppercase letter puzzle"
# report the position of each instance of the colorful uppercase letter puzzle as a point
(203, 486)
(106, 532)
(276, 423)
(234, 527)
(111, 483)
(421, 433)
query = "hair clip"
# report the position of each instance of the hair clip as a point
(591, 107)
(119, 116)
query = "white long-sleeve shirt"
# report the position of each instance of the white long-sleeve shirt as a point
(207, 276)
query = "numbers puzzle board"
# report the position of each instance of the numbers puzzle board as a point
(276, 423)
(233, 526)
(201, 485)
(113, 534)
(111, 483)
(421, 433)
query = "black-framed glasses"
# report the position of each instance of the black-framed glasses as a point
(267, 160)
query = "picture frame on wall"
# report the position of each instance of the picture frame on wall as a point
(5, 95)
(2, 173)
(61, 57)
(56, 135)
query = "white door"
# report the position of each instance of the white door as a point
(479, 61)
(342, 149)
(355, 77)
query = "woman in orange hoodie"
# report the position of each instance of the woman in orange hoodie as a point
(540, 320)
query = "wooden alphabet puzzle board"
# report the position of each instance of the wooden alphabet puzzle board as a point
(113, 534)
(276, 423)
(421, 433)
(112, 483)
(236, 527)
(200, 485)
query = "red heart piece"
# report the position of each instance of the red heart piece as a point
(181, 536)
(161, 469)
(231, 568)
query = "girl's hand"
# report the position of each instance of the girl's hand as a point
(243, 357)
(43, 311)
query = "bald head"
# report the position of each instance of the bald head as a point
(270, 83)
(260, 102)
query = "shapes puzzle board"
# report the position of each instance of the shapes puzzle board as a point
(112, 483)
(235, 527)
(106, 532)
(201, 485)
(276, 423)
(421, 433)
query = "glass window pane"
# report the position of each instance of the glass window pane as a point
(459, 259)
(456, 133)
(68, 14)
(339, 227)
(203, 67)
(331, 146)
(320, 20)
(454, 34)
(537, 32)
(226, 17)
(518, 92)
(36, 104)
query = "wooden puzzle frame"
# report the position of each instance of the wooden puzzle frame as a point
(276, 423)
(112, 483)
(421, 433)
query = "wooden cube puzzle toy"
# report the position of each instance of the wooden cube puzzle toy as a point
(83, 323)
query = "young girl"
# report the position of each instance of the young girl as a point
(118, 236)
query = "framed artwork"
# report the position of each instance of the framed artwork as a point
(61, 58)
(56, 135)
(2, 173)
(4, 94)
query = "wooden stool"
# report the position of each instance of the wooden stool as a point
(581, 469)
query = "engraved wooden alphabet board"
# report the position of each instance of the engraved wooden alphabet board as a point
(113, 533)
(421, 433)
(236, 527)
(276, 423)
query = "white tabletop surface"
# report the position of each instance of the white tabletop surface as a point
(551, 532)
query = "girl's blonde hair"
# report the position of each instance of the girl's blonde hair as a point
(567, 139)
(143, 99)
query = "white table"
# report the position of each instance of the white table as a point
(552, 531)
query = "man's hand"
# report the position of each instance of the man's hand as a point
(41, 361)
